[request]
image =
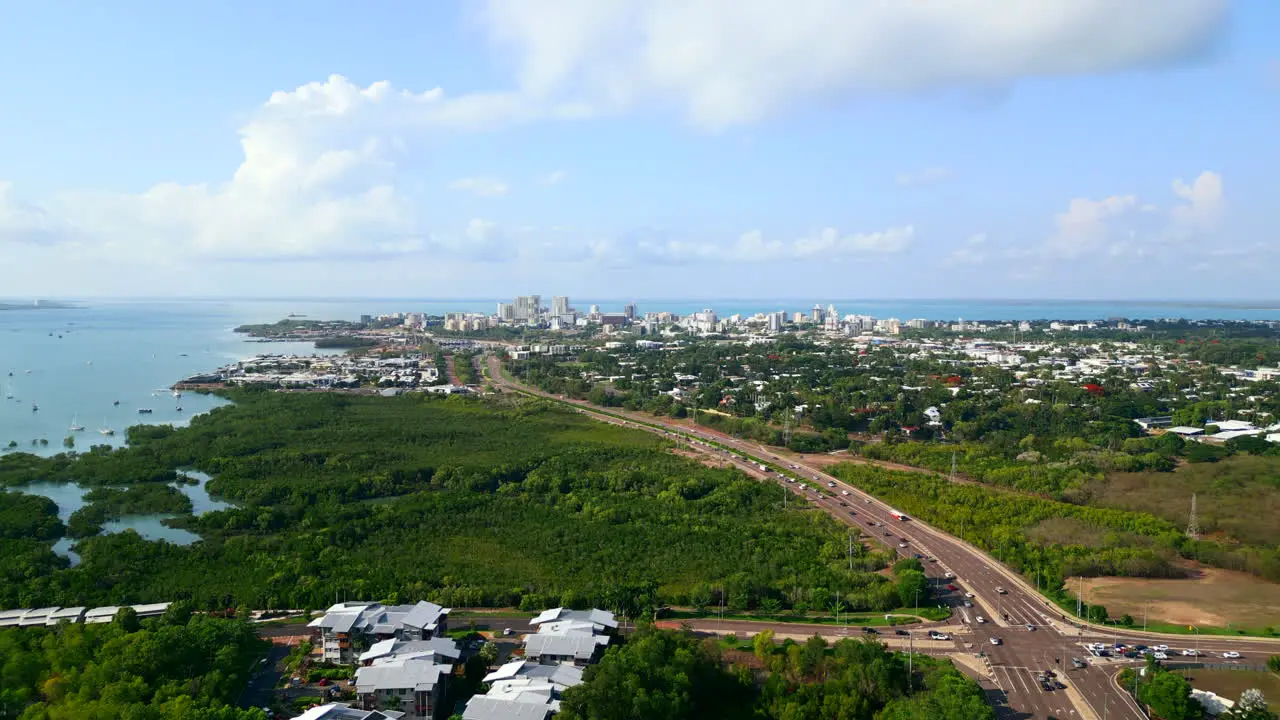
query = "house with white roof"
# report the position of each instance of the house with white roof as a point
(441, 649)
(348, 628)
(413, 684)
(343, 711)
(572, 636)
(523, 690)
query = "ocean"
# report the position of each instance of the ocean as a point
(75, 363)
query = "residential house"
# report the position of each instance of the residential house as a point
(523, 690)
(343, 711)
(572, 636)
(346, 629)
(412, 683)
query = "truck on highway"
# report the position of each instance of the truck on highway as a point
(899, 515)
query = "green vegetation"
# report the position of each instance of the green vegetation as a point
(28, 517)
(673, 675)
(109, 503)
(173, 668)
(464, 368)
(464, 501)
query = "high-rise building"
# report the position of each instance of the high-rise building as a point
(630, 311)
(527, 307)
(776, 319)
(559, 305)
(815, 316)
(595, 309)
(506, 311)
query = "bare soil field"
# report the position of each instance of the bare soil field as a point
(1230, 683)
(1213, 598)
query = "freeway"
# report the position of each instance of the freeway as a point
(1019, 632)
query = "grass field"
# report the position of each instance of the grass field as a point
(1237, 497)
(1230, 683)
(1214, 598)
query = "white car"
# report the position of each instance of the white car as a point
(831, 484)
(1190, 653)
(902, 544)
(1160, 648)
(968, 604)
(980, 619)
(1160, 656)
(1031, 628)
(968, 594)
(995, 641)
(844, 492)
(935, 635)
(1231, 655)
(950, 576)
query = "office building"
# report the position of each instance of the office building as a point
(559, 305)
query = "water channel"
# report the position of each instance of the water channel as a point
(70, 497)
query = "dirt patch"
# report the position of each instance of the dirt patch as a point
(703, 458)
(1211, 598)
(1230, 683)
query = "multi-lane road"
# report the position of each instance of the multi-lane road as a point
(1033, 635)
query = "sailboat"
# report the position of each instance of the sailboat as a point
(75, 425)
(104, 430)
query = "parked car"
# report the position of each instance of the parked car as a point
(951, 587)
(1031, 628)
(968, 594)
(968, 604)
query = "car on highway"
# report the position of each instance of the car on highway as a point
(1231, 655)
(996, 641)
(1161, 656)
(1078, 663)
(1190, 653)
(935, 635)
(901, 544)
(853, 512)
(904, 633)
(870, 631)
(1002, 591)
(1160, 648)
(888, 534)
(831, 484)
(844, 492)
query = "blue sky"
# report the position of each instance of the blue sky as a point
(642, 148)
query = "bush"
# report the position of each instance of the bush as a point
(1273, 663)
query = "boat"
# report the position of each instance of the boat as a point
(35, 407)
(177, 393)
(144, 411)
(179, 408)
(116, 403)
(76, 426)
(105, 429)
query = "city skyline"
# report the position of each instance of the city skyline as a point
(470, 148)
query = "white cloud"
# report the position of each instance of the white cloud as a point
(482, 186)
(1123, 226)
(927, 176)
(733, 61)
(973, 252)
(553, 178)
(753, 247)
(1203, 209)
(1087, 225)
(318, 178)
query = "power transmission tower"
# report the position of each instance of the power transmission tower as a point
(1193, 527)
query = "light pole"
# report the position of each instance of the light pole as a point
(1144, 616)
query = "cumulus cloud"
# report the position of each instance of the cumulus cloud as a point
(1088, 225)
(318, 178)
(482, 186)
(733, 61)
(1121, 225)
(1203, 208)
(973, 252)
(927, 176)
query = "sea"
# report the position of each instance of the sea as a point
(95, 363)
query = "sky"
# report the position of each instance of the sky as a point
(1075, 149)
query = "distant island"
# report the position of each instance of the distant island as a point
(38, 305)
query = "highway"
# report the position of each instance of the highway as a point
(1049, 644)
